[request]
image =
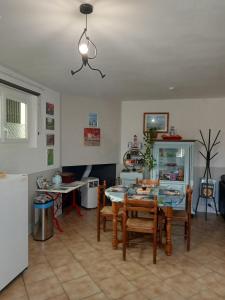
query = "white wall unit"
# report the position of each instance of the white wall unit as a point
(14, 227)
(89, 192)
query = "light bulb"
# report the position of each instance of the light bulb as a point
(83, 48)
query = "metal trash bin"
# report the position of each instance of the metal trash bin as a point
(43, 219)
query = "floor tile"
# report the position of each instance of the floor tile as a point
(116, 287)
(44, 289)
(15, 290)
(206, 294)
(131, 270)
(59, 260)
(80, 288)
(73, 265)
(70, 271)
(134, 296)
(37, 273)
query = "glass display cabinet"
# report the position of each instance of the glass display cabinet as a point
(174, 165)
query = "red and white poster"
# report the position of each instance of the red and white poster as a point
(92, 136)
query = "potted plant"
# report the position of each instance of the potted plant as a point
(149, 138)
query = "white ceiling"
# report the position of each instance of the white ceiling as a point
(144, 46)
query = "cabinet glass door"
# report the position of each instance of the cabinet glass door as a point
(171, 164)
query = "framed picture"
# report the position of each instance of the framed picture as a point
(50, 140)
(93, 120)
(50, 109)
(50, 157)
(50, 123)
(160, 121)
(92, 136)
(209, 192)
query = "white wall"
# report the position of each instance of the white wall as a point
(187, 115)
(75, 118)
(21, 158)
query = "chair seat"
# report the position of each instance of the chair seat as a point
(107, 210)
(145, 224)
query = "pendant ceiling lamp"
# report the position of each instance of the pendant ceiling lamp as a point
(86, 47)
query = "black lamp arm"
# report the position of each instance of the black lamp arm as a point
(95, 69)
(78, 70)
(95, 49)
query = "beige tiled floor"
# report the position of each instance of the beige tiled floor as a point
(73, 265)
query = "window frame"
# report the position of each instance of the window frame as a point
(16, 95)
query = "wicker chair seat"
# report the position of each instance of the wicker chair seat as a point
(107, 210)
(145, 224)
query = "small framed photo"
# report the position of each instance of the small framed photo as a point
(159, 121)
(92, 136)
(93, 120)
(50, 109)
(50, 157)
(50, 140)
(210, 191)
(50, 123)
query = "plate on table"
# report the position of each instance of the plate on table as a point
(139, 197)
(119, 189)
(142, 191)
(170, 192)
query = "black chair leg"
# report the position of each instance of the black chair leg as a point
(197, 205)
(215, 206)
(206, 206)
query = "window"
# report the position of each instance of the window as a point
(16, 119)
(14, 115)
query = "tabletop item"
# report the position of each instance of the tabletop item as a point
(166, 196)
(57, 179)
(42, 182)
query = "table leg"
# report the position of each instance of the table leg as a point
(74, 205)
(54, 218)
(56, 223)
(115, 209)
(169, 216)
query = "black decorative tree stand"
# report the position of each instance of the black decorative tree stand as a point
(208, 156)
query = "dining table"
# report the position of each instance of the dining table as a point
(168, 199)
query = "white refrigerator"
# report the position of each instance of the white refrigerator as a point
(13, 227)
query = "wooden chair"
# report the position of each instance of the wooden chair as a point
(104, 212)
(148, 182)
(183, 217)
(140, 224)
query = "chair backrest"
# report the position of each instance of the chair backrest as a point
(141, 205)
(101, 194)
(188, 202)
(148, 182)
